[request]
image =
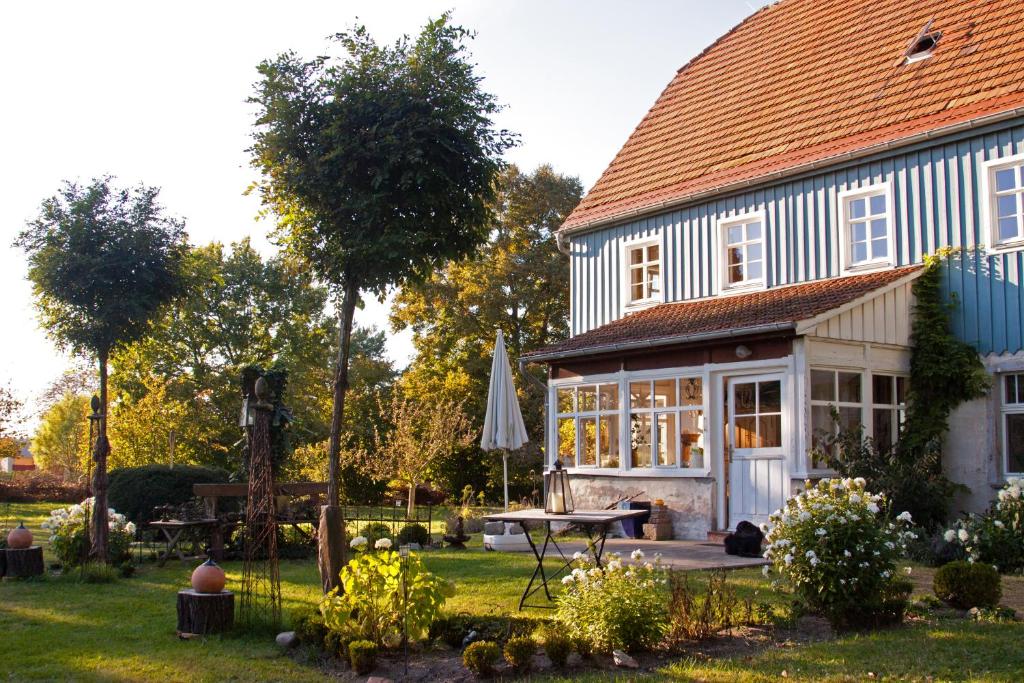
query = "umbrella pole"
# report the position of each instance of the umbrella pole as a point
(504, 465)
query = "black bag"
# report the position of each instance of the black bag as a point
(745, 541)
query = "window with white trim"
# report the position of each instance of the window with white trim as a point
(666, 421)
(1005, 183)
(1013, 424)
(743, 252)
(833, 389)
(643, 263)
(866, 227)
(588, 425)
(888, 408)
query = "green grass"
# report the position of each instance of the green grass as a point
(60, 629)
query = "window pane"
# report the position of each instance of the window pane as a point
(823, 385)
(691, 391)
(636, 256)
(1015, 443)
(877, 204)
(1005, 180)
(881, 389)
(588, 445)
(849, 418)
(587, 397)
(734, 235)
(859, 232)
(652, 252)
(653, 281)
(754, 231)
(849, 387)
(735, 257)
(770, 397)
(770, 431)
(878, 228)
(745, 432)
(609, 441)
(901, 389)
(636, 292)
(1007, 205)
(821, 428)
(690, 438)
(1007, 228)
(565, 400)
(745, 401)
(567, 441)
(609, 396)
(666, 452)
(735, 274)
(640, 439)
(754, 270)
(664, 392)
(640, 394)
(857, 208)
(884, 433)
(636, 276)
(879, 248)
(860, 252)
(754, 252)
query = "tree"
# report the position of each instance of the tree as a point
(61, 441)
(519, 283)
(103, 262)
(10, 419)
(380, 167)
(423, 433)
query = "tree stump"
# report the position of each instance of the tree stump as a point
(203, 613)
(24, 562)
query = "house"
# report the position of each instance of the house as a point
(23, 462)
(746, 262)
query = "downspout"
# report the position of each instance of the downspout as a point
(530, 379)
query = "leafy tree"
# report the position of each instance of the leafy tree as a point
(142, 431)
(103, 262)
(10, 419)
(518, 283)
(61, 441)
(380, 167)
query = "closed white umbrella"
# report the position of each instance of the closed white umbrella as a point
(503, 423)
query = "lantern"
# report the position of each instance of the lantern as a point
(559, 500)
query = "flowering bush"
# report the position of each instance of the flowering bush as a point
(369, 604)
(620, 606)
(69, 538)
(996, 537)
(833, 544)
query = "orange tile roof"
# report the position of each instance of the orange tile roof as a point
(804, 81)
(779, 307)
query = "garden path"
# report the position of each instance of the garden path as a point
(699, 555)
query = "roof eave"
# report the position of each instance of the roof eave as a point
(797, 169)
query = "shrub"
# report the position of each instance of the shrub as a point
(621, 606)
(453, 628)
(693, 616)
(69, 538)
(519, 653)
(41, 487)
(965, 585)
(136, 491)
(480, 657)
(996, 537)
(362, 655)
(368, 605)
(310, 629)
(374, 531)
(557, 646)
(832, 544)
(414, 533)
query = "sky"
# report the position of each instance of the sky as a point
(156, 93)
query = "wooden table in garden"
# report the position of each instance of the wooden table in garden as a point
(172, 530)
(595, 523)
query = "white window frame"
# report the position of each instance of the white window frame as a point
(1006, 408)
(897, 410)
(846, 236)
(989, 223)
(722, 257)
(627, 297)
(654, 411)
(865, 378)
(578, 416)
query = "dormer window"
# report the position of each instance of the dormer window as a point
(923, 45)
(742, 240)
(643, 272)
(866, 228)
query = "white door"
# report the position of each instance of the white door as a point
(755, 438)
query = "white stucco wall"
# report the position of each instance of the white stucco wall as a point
(970, 454)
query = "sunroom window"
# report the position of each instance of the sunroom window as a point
(743, 252)
(1013, 424)
(833, 389)
(666, 423)
(644, 266)
(888, 407)
(588, 425)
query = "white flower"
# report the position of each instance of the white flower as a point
(130, 528)
(357, 542)
(904, 517)
(382, 544)
(637, 555)
(594, 573)
(820, 532)
(963, 535)
(854, 498)
(804, 516)
(614, 566)
(788, 559)
(999, 525)
(577, 555)
(909, 570)
(847, 553)
(810, 554)
(566, 580)
(873, 508)
(765, 570)
(814, 561)
(859, 481)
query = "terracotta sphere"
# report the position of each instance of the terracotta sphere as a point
(208, 578)
(19, 538)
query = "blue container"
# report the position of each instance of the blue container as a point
(634, 526)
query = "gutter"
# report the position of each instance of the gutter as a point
(662, 341)
(671, 204)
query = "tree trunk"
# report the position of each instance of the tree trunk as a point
(100, 531)
(24, 562)
(203, 613)
(331, 540)
(411, 508)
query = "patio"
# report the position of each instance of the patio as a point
(699, 555)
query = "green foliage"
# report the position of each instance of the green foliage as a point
(453, 628)
(95, 572)
(480, 657)
(965, 585)
(414, 533)
(310, 628)
(362, 655)
(519, 653)
(996, 537)
(832, 544)
(69, 538)
(137, 490)
(621, 606)
(557, 646)
(61, 441)
(374, 531)
(370, 601)
(697, 616)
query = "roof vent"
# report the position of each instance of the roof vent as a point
(923, 45)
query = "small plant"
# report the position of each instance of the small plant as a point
(95, 572)
(584, 648)
(557, 646)
(374, 531)
(519, 653)
(69, 538)
(414, 533)
(994, 615)
(996, 537)
(480, 658)
(694, 616)
(310, 629)
(362, 655)
(965, 585)
(453, 628)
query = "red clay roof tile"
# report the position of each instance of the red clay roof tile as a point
(805, 80)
